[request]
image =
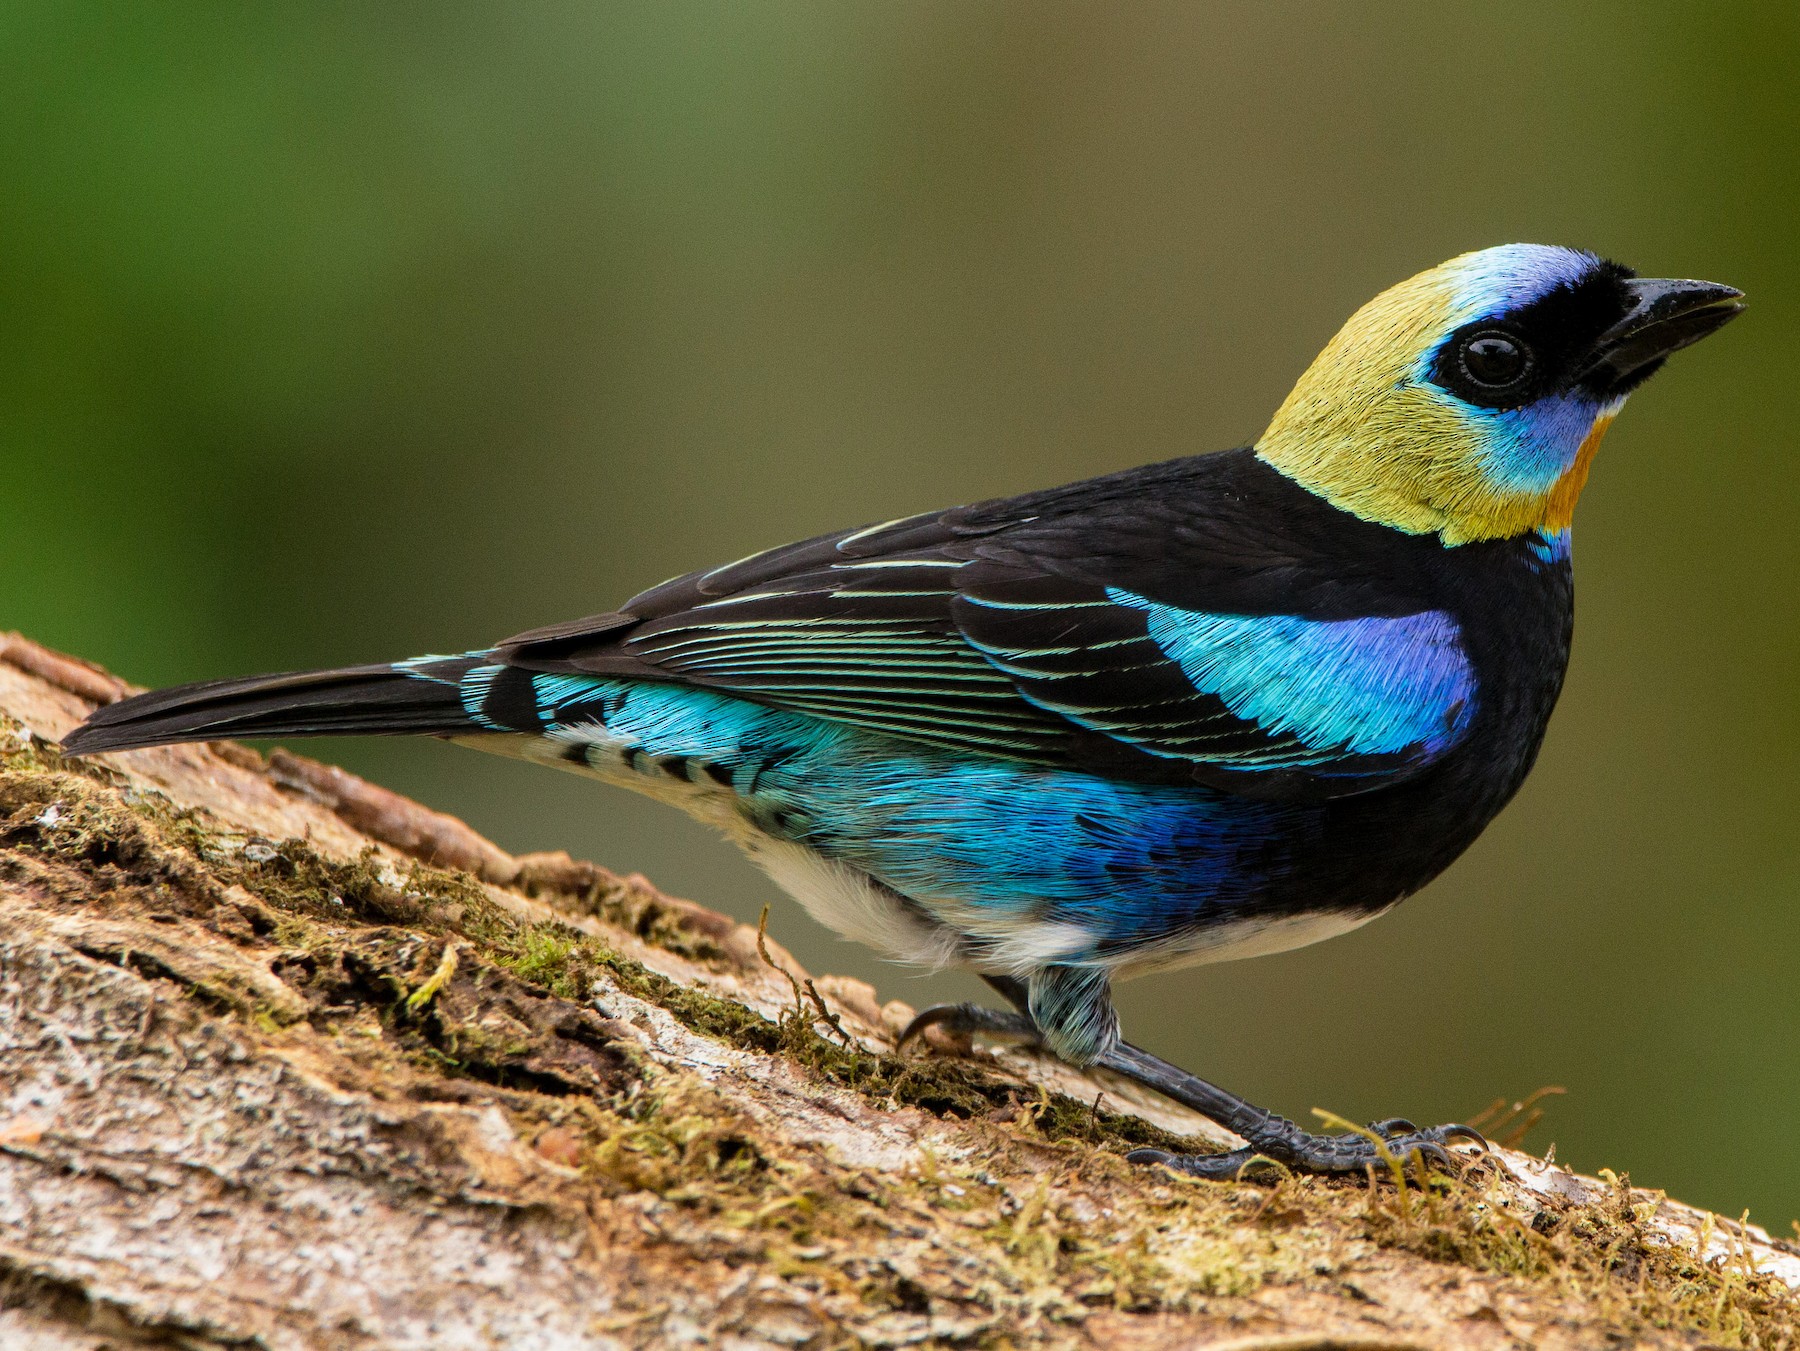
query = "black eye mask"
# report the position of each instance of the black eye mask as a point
(1510, 359)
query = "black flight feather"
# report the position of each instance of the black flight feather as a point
(354, 700)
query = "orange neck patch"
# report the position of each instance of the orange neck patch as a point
(1559, 506)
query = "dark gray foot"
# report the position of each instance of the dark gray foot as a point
(1275, 1138)
(1271, 1138)
(1301, 1151)
(1066, 1010)
(970, 1019)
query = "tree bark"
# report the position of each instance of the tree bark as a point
(289, 1061)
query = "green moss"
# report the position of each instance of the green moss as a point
(548, 958)
(632, 907)
(302, 885)
(1024, 1250)
(1605, 1253)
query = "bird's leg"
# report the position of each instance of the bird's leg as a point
(1270, 1136)
(1066, 1009)
(970, 1019)
(1058, 992)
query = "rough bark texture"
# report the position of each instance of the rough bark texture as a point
(289, 1061)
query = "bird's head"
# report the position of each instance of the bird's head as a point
(1469, 400)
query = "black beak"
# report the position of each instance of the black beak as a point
(1664, 317)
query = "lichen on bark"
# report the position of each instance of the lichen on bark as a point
(288, 1061)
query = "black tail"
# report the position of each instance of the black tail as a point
(413, 697)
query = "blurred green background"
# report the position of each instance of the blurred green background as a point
(331, 333)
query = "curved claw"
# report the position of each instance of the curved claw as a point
(1457, 1131)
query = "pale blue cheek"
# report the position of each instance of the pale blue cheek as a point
(1526, 450)
(1519, 450)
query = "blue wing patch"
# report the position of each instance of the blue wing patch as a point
(1330, 689)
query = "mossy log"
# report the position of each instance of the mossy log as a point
(287, 1060)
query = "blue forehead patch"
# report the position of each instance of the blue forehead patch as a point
(1499, 279)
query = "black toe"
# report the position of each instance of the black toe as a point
(1289, 1147)
(969, 1019)
(1394, 1125)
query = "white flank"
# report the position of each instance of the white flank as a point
(1239, 938)
(850, 902)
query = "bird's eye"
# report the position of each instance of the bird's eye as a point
(1494, 359)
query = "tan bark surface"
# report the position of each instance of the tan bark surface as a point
(289, 1061)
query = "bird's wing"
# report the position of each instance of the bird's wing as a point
(853, 627)
(1138, 625)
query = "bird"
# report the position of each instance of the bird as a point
(1211, 708)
